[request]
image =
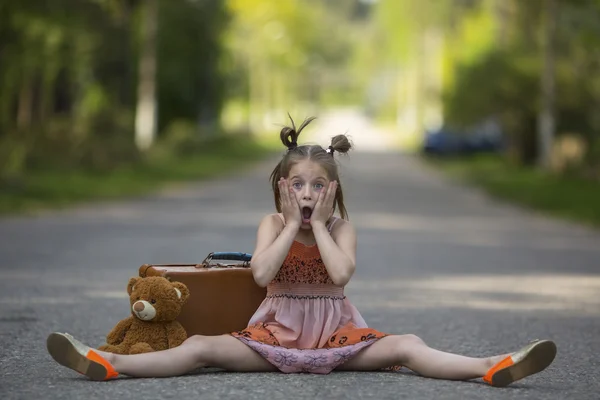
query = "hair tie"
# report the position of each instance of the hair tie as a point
(330, 150)
(292, 146)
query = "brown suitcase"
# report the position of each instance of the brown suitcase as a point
(223, 296)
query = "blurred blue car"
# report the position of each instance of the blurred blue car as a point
(444, 141)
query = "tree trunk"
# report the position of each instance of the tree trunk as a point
(25, 106)
(501, 16)
(546, 118)
(146, 111)
(254, 95)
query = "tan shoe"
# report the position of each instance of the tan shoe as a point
(71, 353)
(531, 359)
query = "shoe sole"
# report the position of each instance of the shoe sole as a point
(65, 353)
(537, 359)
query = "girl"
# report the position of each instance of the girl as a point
(304, 256)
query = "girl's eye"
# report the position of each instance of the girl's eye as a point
(319, 186)
(296, 185)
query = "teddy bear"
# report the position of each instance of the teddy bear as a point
(155, 304)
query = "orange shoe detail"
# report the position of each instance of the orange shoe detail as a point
(97, 358)
(529, 360)
(73, 354)
(507, 362)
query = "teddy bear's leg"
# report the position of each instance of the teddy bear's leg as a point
(140, 347)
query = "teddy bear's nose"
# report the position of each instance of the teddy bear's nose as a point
(139, 306)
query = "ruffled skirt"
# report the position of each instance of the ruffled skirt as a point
(307, 328)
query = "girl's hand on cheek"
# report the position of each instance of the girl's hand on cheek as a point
(324, 207)
(289, 205)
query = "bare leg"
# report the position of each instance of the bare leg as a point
(411, 352)
(197, 351)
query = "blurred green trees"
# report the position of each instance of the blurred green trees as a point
(96, 83)
(80, 79)
(69, 77)
(287, 56)
(527, 65)
(525, 72)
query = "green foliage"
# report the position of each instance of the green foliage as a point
(492, 86)
(75, 111)
(191, 84)
(282, 55)
(68, 91)
(567, 197)
(73, 95)
(499, 86)
(77, 107)
(504, 82)
(55, 188)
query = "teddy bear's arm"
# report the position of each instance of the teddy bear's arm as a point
(117, 334)
(175, 334)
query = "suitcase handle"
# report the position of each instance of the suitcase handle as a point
(233, 256)
(225, 255)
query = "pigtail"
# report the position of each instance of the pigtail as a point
(289, 135)
(340, 143)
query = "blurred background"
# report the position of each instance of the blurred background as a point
(101, 98)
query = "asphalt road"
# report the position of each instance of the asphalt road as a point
(436, 259)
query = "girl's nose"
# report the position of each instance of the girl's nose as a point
(306, 194)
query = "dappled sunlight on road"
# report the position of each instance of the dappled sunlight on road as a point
(434, 223)
(225, 216)
(579, 294)
(478, 231)
(468, 230)
(575, 294)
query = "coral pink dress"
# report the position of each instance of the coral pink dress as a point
(306, 323)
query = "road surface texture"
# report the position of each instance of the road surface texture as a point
(463, 272)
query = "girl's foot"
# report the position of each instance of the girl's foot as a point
(531, 359)
(71, 353)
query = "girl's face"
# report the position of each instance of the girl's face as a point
(307, 180)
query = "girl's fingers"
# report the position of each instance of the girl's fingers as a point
(283, 194)
(280, 191)
(330, 198)
(321, 198)
(292, 197)
(283, 191)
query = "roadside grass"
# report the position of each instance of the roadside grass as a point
(53, 188)
(563, 196)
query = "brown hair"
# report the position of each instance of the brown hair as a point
(324, 157)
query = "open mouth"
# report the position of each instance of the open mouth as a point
(306, 213)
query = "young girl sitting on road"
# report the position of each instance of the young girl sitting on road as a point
(305, 256)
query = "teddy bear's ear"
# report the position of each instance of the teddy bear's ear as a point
(182, 291)
(131, 284)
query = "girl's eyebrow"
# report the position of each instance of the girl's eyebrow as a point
(318, 178)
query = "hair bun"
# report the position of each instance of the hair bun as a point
(289, 135)
(340, 143)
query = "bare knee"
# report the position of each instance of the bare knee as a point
(198, 346)
(195, 340)
(406, 345)
(411, 340)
